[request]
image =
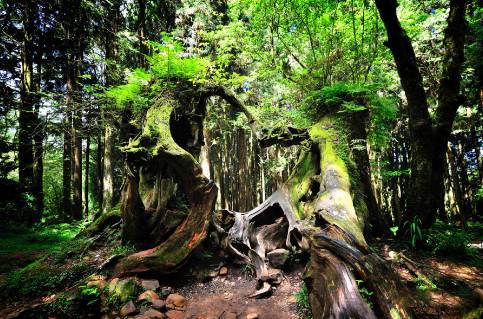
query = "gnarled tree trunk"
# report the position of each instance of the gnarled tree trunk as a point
(312, 211)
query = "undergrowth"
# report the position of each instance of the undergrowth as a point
(303, 303)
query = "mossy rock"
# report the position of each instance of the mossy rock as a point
(122, 290)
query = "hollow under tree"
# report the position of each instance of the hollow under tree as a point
(312, 211)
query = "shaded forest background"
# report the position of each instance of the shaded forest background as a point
(75, 72)
(94, 91)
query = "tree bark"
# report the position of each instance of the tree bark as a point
(110, 157)
(449, 98)
(419, 203)
(38, 133)
(427, 142)
(86, 175)
(26, 111)
(141, 32)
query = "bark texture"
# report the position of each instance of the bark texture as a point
(312, 211)
(428, 138)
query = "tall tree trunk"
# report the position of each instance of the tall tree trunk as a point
(455, 181)
(428, 143)
(77, 120)
(141, 32)
(108, 167)
(86, 175)
(449, 98)
(77, 163)
(26, 115)
(99, 162)
(38, 136)
(67, 155)
(110, 154)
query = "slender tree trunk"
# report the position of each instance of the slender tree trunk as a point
(77, 125)
(99, 162)
(77, 162)
(110, 154)
(108, 168)
(86, 176)
(38, 136)
(455, 181)
(26, 115)
(142, 31)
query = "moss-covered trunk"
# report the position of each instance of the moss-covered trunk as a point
(312, 211)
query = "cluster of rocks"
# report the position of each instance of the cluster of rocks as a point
(141, 299)
(146, 299)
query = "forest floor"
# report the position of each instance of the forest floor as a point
(443, 288)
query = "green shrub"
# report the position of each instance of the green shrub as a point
(447, 240)
(303, 303)
(366, 294)
(38, 279)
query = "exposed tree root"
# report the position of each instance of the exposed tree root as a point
(312, 211)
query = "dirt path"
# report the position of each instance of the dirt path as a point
(228, 297)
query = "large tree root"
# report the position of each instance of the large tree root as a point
(313, 211)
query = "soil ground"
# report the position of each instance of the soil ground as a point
(230, 294)
(458, 285)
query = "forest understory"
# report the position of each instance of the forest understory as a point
(445, 288)
(238, 159)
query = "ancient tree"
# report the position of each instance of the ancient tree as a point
(167, 207)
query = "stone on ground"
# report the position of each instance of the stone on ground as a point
(175, 314)
(124, 289)
(165, 291)
(148, 295)
(158, 304)
(252, 316)
(223, 271)
(153, 314)
(229, 315)
(175, 300)
(150, 284)
(128, 309)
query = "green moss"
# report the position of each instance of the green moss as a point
(299, 182)
(123, 290)
(335, 204)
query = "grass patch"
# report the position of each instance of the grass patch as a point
(303, 303)
(20, 245)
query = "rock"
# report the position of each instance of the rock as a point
(175, 300)
(252, 315)
(112, 284)
(150, 284)
(223, 271)
(278, 257)
(100, 283)
(175, 314)
(158, 304)
(275, 276)
(153, 314)
(292, 299)
(124, 289)
(128, 309)
(229, 315)
(165, 291)
(148, 295)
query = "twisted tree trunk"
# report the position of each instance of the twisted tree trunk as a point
(312, 211)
